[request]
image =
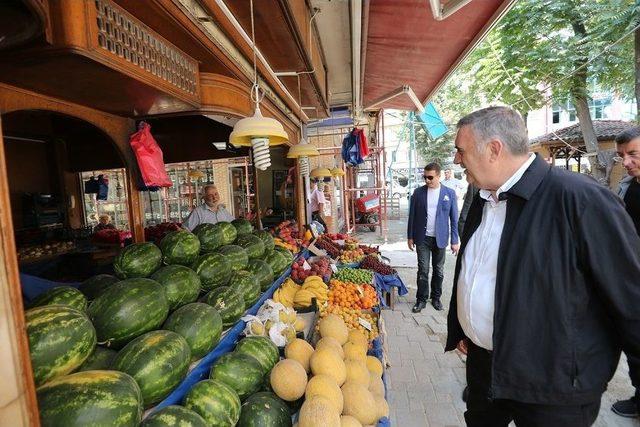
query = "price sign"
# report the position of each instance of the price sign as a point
(364, 324)
(334, 268)
(306, 266)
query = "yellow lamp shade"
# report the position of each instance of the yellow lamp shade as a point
(257, 126)
(302, 150)
(320, 172)
(337, 172)
(196, 174)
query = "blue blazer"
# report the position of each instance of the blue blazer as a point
(446, 216)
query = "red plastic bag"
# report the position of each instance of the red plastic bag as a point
(149, 157)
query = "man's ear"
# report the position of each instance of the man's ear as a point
(494, 148)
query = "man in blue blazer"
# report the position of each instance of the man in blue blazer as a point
(433, 214)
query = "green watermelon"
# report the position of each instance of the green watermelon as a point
(246, 284)
(158, 360)
(200, 324)
(228, 302)
(229, 232)
(252, 244)
(213, 270)
(137, 260)
(267, 239)
(215, 401)
(263, 273)
(174, 416)
(242, 226)
(94, 286)
(96, 398)
(181, 284)
(239, 371)
(61, 338)
(180, 247)
(277, 262)
(236, 256)
(264, 409)
(210, 236)
(101, 358)
(262, 349)
(286, 252)
(127, 310)
(61, 295)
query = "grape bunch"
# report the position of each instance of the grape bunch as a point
(354, 275)
(371, 262)
(367, 250)
(332, 249)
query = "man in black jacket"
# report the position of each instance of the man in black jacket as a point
(546, 286)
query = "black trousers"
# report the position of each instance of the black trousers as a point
(426, 250)
(485, 412)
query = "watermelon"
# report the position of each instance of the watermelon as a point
(277, 262)
(200, 324)
(158, 360)
(215, 401)
(262, 349)
(94, 286)
(61, 338)
(246, 284)
(236, 256)
(229, 232)
(242, 226)
(252, 244)
(137, 260)
(213, 270)
(286, 252)
(263, 273)
(181, 284)
(228, 302)
(180, 247)
(127, 310)
(97, 398)
(210, 237)
(267, 239)
(174, 416)
(61, 295)
(239, 371)
(264, 409)
(101, 358)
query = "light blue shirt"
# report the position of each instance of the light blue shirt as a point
(203, 214)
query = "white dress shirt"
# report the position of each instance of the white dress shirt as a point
(204, 214)
(477, 279)
(433, 195)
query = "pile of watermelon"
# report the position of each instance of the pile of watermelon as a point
(134, 335)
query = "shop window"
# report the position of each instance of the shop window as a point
(555, 114)
(112, 202)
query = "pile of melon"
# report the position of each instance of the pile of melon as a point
(341, 385)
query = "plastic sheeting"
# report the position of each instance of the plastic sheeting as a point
(32, 286)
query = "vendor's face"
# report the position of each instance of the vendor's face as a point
(630, 154)
(211, 197)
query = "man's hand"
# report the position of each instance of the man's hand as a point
(463, 346)
(410, 244)
(455, 248)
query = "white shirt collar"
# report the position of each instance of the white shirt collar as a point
(486, 194)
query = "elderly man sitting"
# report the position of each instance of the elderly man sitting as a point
(210, 211)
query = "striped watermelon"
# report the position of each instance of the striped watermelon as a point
(127, 310)
(239, 371)
(137, 260)
(181, 284)
(101, 358)
(263, 273)
(95, 285)
(210, 236)
(252, 244)
(200, 324)
(236, 256)
(174, 416)
(215, 401)
(61, 295)
(229, 232)
(267, 239)
(180, 247)
(277, 262)
(228, 302)
(61, 338)
(157, 360)
(213, 270)
(246, 284)
(288, 256)
(97, 398)
(264, 409)
(242, 226)
(262, 349)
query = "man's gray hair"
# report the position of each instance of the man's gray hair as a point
(206, 187)
(502, 123)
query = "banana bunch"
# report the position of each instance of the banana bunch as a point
(313, 287)
(286, 293)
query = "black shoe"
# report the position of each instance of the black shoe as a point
(435, 302)
(465, 394)
(420, 305)
(626, 408)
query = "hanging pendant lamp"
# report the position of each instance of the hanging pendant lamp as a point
(302, 152)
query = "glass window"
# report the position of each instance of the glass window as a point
(115, 205)
(555, 117)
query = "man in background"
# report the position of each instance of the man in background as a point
(211, 211)
(317, 202)
(454, 183)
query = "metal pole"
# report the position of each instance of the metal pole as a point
(412, 138)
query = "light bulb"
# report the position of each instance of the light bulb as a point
(261, 155)
(304, 166)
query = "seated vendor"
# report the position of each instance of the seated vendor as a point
(104, 223)
(210, 211)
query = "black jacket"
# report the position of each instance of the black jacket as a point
(567, 295)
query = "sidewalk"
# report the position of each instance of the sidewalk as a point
(424, 383)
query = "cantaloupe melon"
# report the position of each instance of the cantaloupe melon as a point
(357, 372)
(325, 386)
(332, 343)
(318, 412)
(359, 403)
(333, 326)
(288, 380)
(325, 361)
(357, 337)
(376, 386)
(354, 352)
(300, 351)
(374, 365)
(349, 421)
